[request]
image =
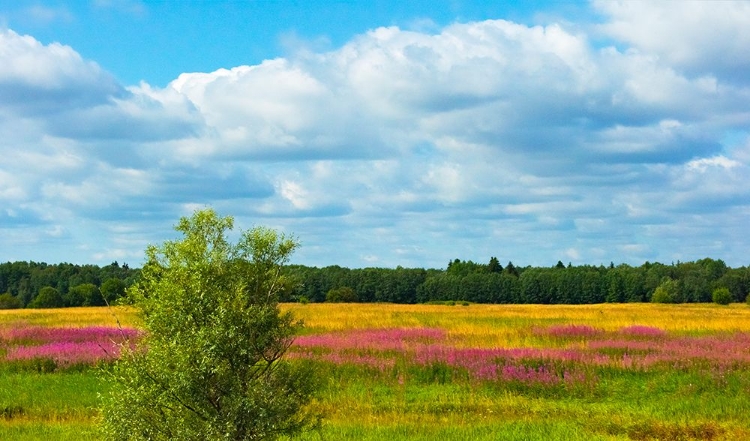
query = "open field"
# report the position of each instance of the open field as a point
(424, 372)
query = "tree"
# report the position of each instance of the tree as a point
(722, 296)
(48, 297)
(112, 289)
(86, 294)
(666, 292)
(343, 294)
(210, 366)
(510, 269)
(8, 301)
(494, 265)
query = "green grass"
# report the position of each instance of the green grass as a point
(50, 397)
(46, 431)
(437, 402)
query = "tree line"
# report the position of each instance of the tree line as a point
(30, 284)
(469, 281)
(42, 285)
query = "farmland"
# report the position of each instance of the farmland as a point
(405, 372)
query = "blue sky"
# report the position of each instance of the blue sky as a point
(379, 133)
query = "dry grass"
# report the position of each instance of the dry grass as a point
(74, 317)
(509, 325)
(473, 325)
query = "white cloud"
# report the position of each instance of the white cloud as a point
(717, 161)
(400, 147)
(697, 36)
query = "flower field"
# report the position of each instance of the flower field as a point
(419, 372)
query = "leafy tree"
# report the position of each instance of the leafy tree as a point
(343, 294)
(210, 366)
(463, 268)
(86, 294)
(112, 289)
(48, 297)
(666, 292)
(722, 296)
(8, 301)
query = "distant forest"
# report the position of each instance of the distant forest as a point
(41, 285)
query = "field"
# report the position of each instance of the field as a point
(424, 372)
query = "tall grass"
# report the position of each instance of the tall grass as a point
(480, 372)
(70, 317)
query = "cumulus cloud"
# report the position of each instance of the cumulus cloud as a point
(493, 138)
(698, 37)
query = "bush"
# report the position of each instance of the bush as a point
(722, 296)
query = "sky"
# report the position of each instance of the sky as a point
(379, 133)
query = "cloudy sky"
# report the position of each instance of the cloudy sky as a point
(379, 133)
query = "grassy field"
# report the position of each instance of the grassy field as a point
(425, 372)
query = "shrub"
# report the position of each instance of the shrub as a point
(722, 296)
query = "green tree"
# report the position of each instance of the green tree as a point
(210, 366)
(343, 294)
(494, 265)
(112, 289)
(510, 269)
(8, 301)
(667, 292)
(48, 297)
(722, 296)
(86, 294)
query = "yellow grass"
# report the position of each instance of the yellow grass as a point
(473, 325)
(509, 325)
(74, 317)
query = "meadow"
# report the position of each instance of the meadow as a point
(424, 372)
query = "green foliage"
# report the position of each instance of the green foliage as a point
(666, 292)
(494, 266)
(210, 366)
(8, 301)
(343, 294)
(25, 279)
(86, 294)
(461, 268)
(48, 297)
(112, 289)
(722, 296)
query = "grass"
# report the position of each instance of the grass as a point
(378, 389)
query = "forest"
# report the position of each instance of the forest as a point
(42, 285)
